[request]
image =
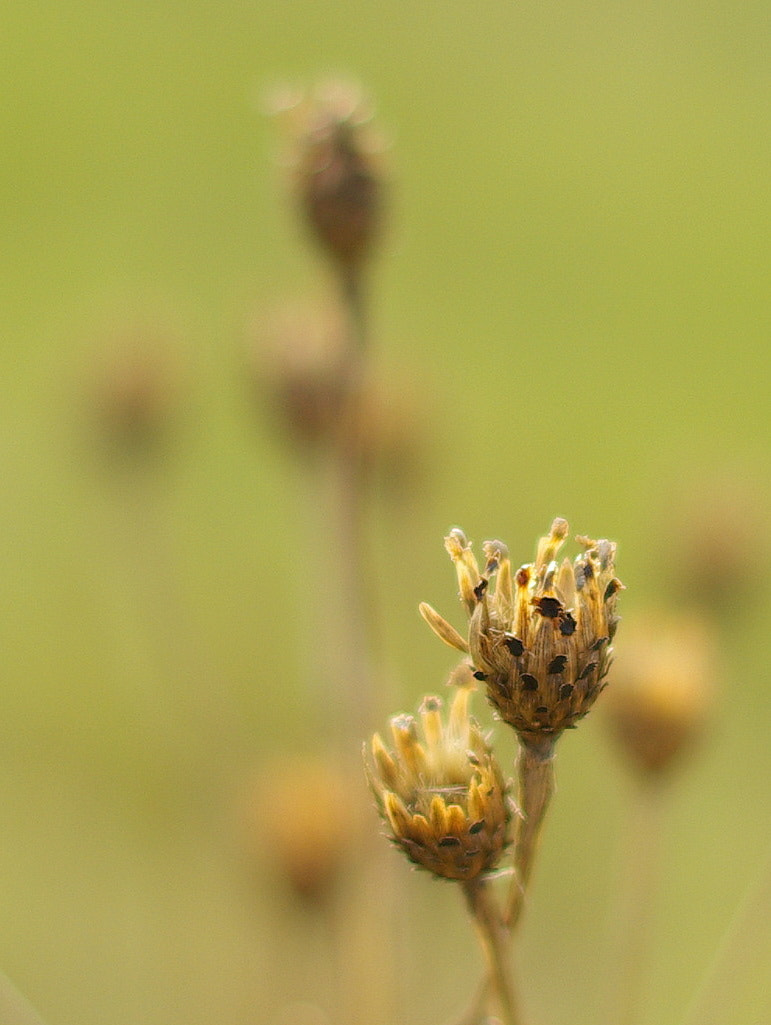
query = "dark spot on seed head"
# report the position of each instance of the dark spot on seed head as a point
(480, 589)
(565, 691)
(523, 576)
(476, 827)
(528, 681)
(514, 644)
(557, 664)
(449, 841)
(541, 710)
(612, 588)
(479, 675)
(599, 643)
(567, 625)
(588, 668)
(550, 608)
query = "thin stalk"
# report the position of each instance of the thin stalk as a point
(535, 770)
(640, 878)
(741, 960)
(14, 1008)
(495, 941)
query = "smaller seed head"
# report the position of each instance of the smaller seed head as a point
(663, 689)
(441, 791)
(299, 822)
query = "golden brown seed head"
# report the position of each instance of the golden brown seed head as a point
(663, 689)
(441, 791)
(299, 819)
(337, 171)
(540, 637)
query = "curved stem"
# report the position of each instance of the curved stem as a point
(535, 769)
(495, 942)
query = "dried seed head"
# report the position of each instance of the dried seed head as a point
(301, 367)
(337, 171)
(540, 637)
(299, 820)
(663, 689)
(441, 791)
(135, 385)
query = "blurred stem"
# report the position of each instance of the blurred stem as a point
(639, 882)
(356, 575)
(495, 941)
(14, 1008)
(355, 303)
(740, 960)
(535, 770)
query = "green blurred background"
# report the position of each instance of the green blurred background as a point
(575, 278)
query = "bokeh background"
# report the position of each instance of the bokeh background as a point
(573, 288)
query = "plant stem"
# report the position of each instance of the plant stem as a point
(741, 960)
(535, 769)
(639, 884)
(14, 1008)
(495, 942)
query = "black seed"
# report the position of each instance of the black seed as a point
(479, 675)
(475, 827)
(480, 589)
(541, 710)
(548, 607)
(514, 644)
(588, 571)
(565, 691)
(449, 841)
(568, 625)
(523, 577)
(528, 681)
(611, 589)
(557, 664)
(588, 668)
(598, 644)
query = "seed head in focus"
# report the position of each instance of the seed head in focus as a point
(441, 791)
(540, 637)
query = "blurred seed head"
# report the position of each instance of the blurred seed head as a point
(440, 790)
(336, 164)
(133, 391)
(300, 822)
(663, 688)
(722, 552)
(301, 368)
(540, 637)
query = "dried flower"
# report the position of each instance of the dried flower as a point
(443, 797)
(337, 174)
(301, 367)
(298, 818)
(663, 688)
(541, 638)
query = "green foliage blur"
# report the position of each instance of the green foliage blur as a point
(574, 282)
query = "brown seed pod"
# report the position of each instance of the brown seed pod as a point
(540, 638)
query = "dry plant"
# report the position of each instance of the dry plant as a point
(538, 640)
